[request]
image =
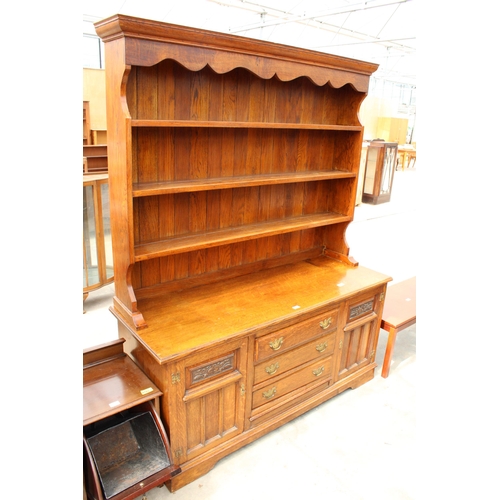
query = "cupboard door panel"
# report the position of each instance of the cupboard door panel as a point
(357, 347)
(212, 418)
(208, 399)
(357, 341)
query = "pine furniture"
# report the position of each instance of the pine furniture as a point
(406, 153)
(87, 139)
(400, 312)
(392, 129)
(233, 170)
(95, 158)
(99, 136)
(412, 158)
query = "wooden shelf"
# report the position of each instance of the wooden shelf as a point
(190, 242)
(183, 186)
(243, 124)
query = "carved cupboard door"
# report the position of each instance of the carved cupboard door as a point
(207, 401)
(357, 341)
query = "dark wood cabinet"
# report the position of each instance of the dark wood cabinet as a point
(233, 168)
(381, 160)
(126, 448)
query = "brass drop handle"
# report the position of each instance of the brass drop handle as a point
(269, 394)
(325, 323)
(276, 343)
(272, 369)
(321, 347)
(319, 371)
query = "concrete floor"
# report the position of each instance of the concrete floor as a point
(360, 445)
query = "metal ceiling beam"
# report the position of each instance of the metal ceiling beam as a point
(369, 4)
(392, 41)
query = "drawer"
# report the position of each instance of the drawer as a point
(281, 363)
(320, 370)
(287, 338)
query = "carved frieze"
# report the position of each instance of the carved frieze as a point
(212, 369)
(356, 311)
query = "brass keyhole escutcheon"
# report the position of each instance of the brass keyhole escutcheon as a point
(269, 394)
(325, 323)
(321, 347)
(272, 369)
(276, 343)
(319, 371)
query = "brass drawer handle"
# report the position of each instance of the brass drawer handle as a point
(319, 371)
(276, 344)
(269, 394)
(321, 347)
(272, 369)
(325, 323)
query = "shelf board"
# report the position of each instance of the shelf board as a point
(198, 241)
(183, 186)
(242, 124)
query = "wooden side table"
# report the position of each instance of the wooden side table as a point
(400, 312)
(116, 394)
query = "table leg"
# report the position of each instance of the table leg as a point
(391, 340)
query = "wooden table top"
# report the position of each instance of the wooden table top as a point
(400, 305)
(114, 386)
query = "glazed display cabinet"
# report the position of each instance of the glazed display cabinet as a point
(97, 248)
(381, 160)
(233, 169)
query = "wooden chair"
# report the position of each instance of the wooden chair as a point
(412, 157)
(400, 312)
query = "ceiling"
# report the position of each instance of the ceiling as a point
(379, 31)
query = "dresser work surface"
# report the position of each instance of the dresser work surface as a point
(203, 316)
